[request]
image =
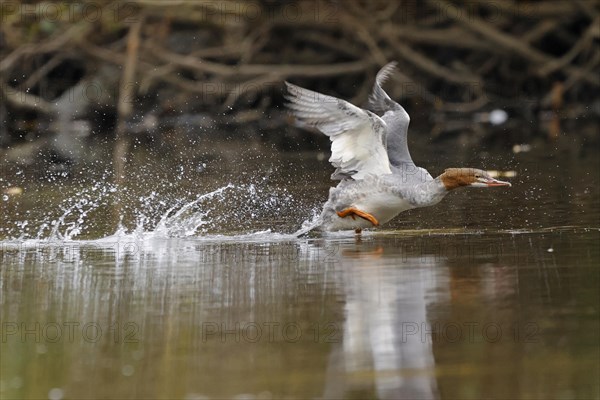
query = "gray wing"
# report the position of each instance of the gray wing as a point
(358, 137)
(394, 115)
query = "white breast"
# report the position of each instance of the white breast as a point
(384, 206)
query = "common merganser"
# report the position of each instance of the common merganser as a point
(378, 178)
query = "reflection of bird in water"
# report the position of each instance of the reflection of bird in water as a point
(378, 179)
(387, 335)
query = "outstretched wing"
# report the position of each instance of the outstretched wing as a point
(358, 137)
(394, 115)
(379, 101)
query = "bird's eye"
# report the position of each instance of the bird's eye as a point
(477, 176)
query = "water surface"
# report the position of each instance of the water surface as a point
(205, 292)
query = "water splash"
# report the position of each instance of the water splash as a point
(239, 211)
(74, 217)
(186, 221)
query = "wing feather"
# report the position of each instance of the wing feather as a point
(358, 137)
(379, 100)
(394, 115)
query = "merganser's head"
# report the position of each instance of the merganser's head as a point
(453, 178)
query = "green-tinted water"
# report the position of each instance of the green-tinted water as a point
(491, 293)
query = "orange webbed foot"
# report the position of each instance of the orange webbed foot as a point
(356, 212)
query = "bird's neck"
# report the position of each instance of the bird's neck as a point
(429, 193)
(436, 189)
